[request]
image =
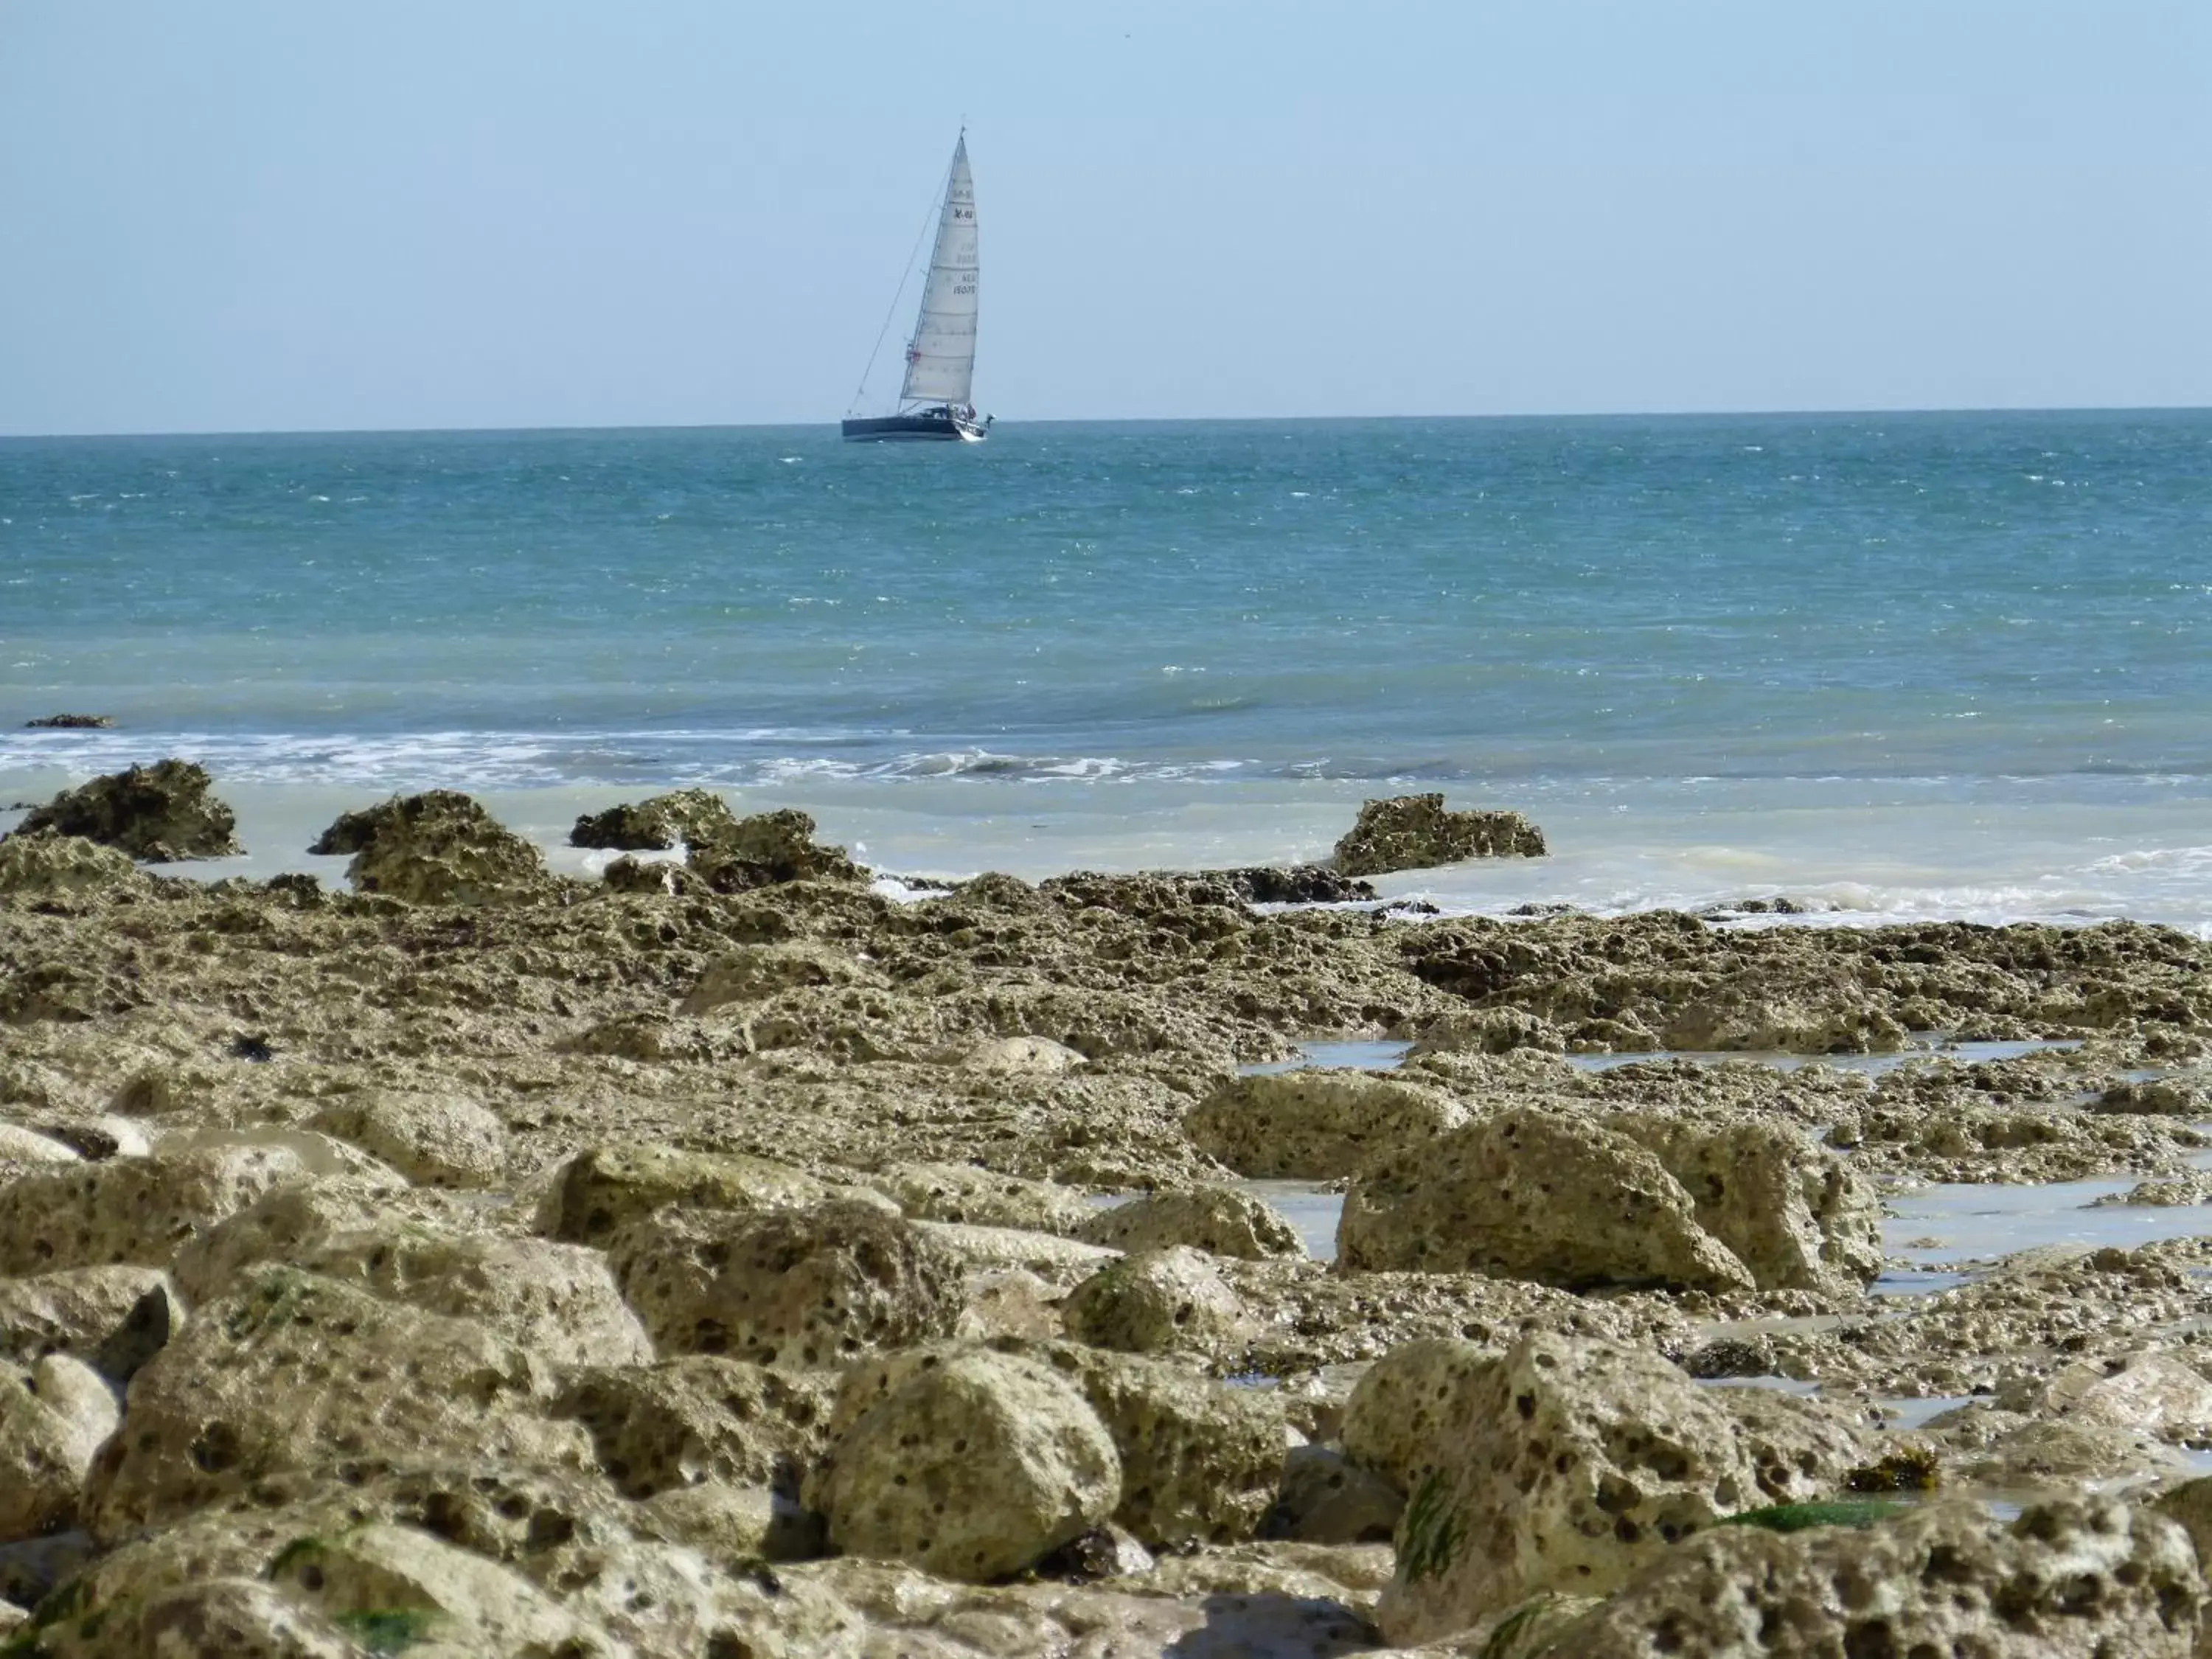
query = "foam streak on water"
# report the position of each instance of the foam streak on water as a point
(1902, 667)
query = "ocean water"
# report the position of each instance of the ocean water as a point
(1886, 665)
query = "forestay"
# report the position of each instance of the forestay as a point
(940, 362)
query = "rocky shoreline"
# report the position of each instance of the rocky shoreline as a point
(724, 1258)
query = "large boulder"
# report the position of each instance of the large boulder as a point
(1409, 1403)
(559, 1301)
(1415, 832)
(159, 813)
(657, 822)
(1796, 1215)
(46, 866)
(1219, 1220)
(1201, 1459)
(140, 1210)
(603, 1189)
(296, 1372)
(972, 1467)
(54, 1418)
(805, 1288)
(700, 1418)
(1314, 1124)
(2062, 1580)
(965, 1194)
(1324, 1498)
(437, 848)
(1535, 1195)
(769, 848)
(434, 1139)
(1568, 1465)
(1157, 1301)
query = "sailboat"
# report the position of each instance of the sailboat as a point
(940, 355)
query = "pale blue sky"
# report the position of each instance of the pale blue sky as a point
(227, 216)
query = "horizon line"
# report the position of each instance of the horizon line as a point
(492, 429)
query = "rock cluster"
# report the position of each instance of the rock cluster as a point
(482, 1263)
(1418, 832)
(161, 813)
(689, 817)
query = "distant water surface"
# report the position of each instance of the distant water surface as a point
(1904, 664)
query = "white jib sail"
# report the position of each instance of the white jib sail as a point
(941, 360)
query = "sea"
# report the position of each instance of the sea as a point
(1885, 667)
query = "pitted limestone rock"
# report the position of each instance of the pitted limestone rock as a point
(753, 973)
(54, 1418)
(1157, 1301)
(294, 1371)
(1314, 1124)
(1796, 1215)
(1327, 1498)
(978, 1197)
(139, 1210)
(657, 822)
(767, 848)
(43, 865)
(159, 812)
(449, 1596)
(1201, 1459)
(559, 1301)
(1219, 1220)
(799, 1288)
(603, 1189)
(971, 1468)
(1408, 1404)
(434, 1140)
(2065, 1580)
(1533, 1194)
(113, 1318)
(700, 1418)
(437, 848)
(1417, 832)
(1568, 1465)
(237, 1618)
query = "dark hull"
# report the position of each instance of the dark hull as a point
(923, 426)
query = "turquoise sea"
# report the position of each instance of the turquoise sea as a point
(1928, 664)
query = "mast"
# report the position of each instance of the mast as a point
(940, 358)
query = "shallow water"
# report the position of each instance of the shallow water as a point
(1980, 1223)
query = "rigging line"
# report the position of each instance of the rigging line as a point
(905, 276)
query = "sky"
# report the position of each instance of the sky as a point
(236, 216)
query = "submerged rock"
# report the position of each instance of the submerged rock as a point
(69, 722)
(1536, 1195)
(658, 823)
(159, 813)
(1415, 832)
(437, 848)
(971, 1468)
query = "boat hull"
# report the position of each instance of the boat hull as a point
(939, 425)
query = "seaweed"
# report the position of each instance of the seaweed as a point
(1797, 1517)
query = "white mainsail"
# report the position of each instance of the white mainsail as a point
(941, 360)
